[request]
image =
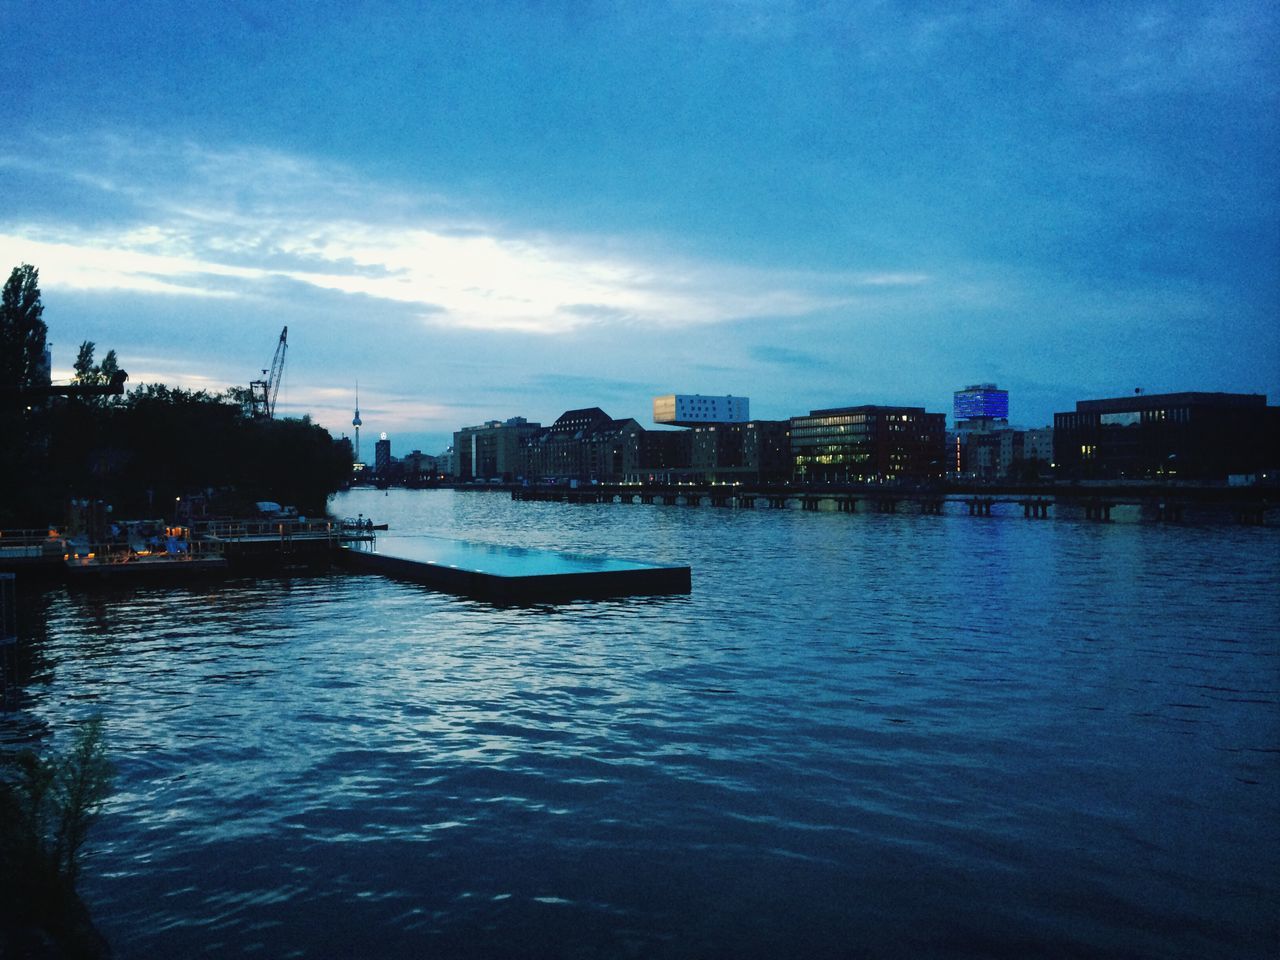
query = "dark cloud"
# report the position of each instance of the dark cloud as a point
(787, 357)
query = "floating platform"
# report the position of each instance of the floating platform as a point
(95, 570)
(514, 574)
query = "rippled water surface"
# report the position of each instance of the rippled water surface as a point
(880, 736)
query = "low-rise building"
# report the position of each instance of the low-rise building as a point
(584, 445)
(418, 465)
(758, 450)
(1171, 436)
(493, 450)
(869, 444)
(448, 462)
(989, 450)
(666, 456)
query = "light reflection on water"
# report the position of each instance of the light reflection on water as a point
(867, 735)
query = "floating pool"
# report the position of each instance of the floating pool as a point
(514, 574)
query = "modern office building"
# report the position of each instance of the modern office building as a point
(382, 456)
(493, 450)
(869, 444)
(1171, 436)
(984, 446)
(981, 401)
(689, 410)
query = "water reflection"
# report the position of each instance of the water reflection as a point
(917, 735)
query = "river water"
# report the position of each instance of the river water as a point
(860, 736)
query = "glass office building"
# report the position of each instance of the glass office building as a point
(869, 444)
(982, 401)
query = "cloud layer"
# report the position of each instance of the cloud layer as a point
(489, 210)
(230, 225)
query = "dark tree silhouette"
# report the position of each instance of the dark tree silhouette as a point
(143, 450)
(22, 328)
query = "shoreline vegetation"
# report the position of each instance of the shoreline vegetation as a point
(152, 451)
(47, 805)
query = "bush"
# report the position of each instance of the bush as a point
(46, 809)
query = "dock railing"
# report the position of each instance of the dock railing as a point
(178, 543)
(287, 532)
(31, 544)
(260, 528)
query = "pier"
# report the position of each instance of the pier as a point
(1042, 502)
(170, 552)
(497, 574)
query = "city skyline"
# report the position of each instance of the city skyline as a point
(484, 212)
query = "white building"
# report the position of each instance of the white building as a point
(689, 410)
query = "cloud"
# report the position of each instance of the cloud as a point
(234, 224)
(93, 264)
(786, 357)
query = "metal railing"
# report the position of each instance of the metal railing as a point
(30, 544)
(177, 544)
(241, 529)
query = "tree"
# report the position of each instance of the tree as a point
(96, 375)
(84, 364)
(243, 397)
(22, 328)
(108, 368)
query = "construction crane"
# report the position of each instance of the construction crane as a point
(262, 393)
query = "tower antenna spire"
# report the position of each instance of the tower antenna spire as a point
(356, 421)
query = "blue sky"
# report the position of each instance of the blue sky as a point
(482, 210)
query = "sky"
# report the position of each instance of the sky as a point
(482, 210)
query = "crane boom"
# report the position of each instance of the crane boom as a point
(263, 393)
(277, 373)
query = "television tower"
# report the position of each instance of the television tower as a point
(356, 421)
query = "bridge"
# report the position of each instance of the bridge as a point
(1164, 503)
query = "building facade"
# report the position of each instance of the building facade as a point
(869, 444)
(1172, 436)
(493, 450)
(986, 451)
(584, 445)
(759, 450)
(382, 456)
(689, 410)
(419, 465)
(666, 457)
(981, 401)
